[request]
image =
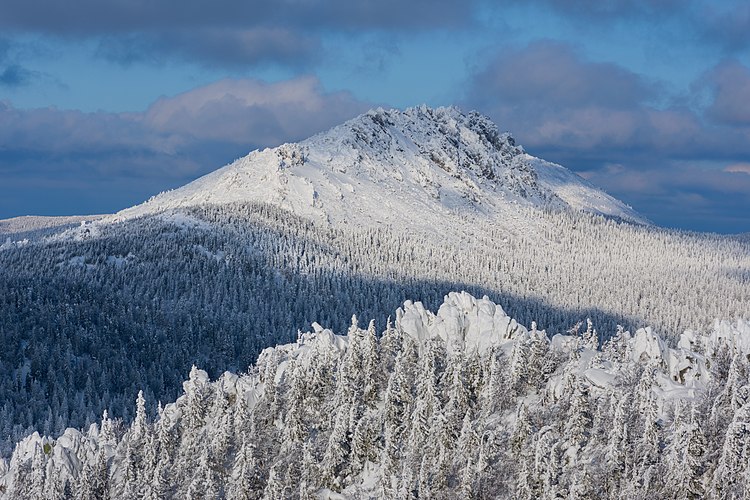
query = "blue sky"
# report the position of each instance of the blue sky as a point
(104, 103)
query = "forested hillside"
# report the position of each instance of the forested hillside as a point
(89, 318)
(465, 403)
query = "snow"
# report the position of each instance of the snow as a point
(13, 244)
(86, 230)
(463, 322)
(217, 255)
(647, 346)
(119, 260)
(382, 166)
(600, 378)
(581, 194)
(34, 223)
(466, 324)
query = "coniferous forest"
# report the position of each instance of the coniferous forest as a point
(465, 403)
(91, 318)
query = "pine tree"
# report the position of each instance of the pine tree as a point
(522, 429)
(578, 423)
(546, 463)
(733, 460)
(458, 401)
(524, 481)
(364, 443)
(309, 479)
(38, 472)
(294, 427)
(590, 337)
(337, 451)
(245, 481)
(203, 483)
(649, 444)
(467, 445)
(684, 463)
(370, 366)
(618, 443)
(519, 366)
(537, 356)
(275, 487)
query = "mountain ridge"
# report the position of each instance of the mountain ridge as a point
(379, 166)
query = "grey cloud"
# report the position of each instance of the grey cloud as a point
(12, 74)
(725, 24)
(173, 141)
(96, 17)
(236, 110)
(551, 75)
(729, 83)
(554, 100)
(15, 75)
(214, 47)
(602, 120)
(679, 194)
(576, 110)
(730, 26)
(588, 9)
(226, 32)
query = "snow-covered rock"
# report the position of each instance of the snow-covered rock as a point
(462, 321)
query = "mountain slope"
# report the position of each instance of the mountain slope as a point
(386, 165)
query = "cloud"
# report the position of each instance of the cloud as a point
(728, 26)
(96, 17)
(174, 140)
(622, 133)
(729, 82)
(226, 32)
(613, 9)
(15, 75)
(677, 194)
(554, 100)
(738, 168)
(12, 74)
(238, 111)
(724, 25)
(213, 47)
(559, 104)
(553, 72)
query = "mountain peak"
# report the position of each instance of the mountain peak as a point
(421, 163)
(451, 139)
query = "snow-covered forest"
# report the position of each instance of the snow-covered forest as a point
(89, 319)
(465, 403)
(393, 209)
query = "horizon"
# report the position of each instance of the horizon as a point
(104, 105)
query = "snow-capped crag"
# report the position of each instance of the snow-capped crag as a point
(464, 403)
(415, 168)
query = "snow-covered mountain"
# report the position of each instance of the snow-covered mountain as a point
(391, 206)
(416, 168)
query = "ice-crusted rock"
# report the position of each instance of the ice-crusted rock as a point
(462, 321)
(724, 334)
(647, 346)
